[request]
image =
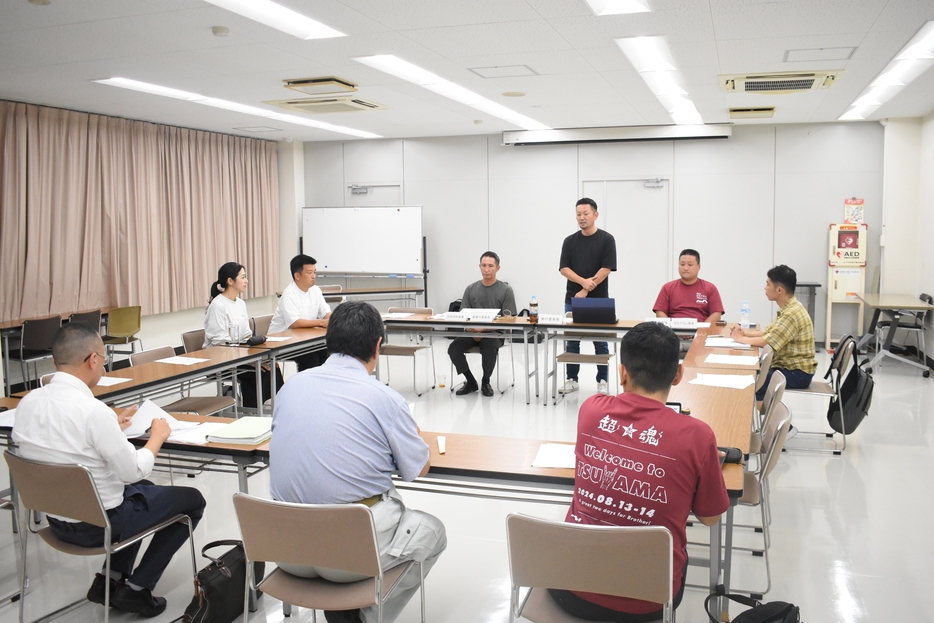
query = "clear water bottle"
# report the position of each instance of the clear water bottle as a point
(533, 310)
(744, 316)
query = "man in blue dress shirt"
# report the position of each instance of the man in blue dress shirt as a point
(338, 435)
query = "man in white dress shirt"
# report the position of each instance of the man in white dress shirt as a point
(302, 306)
(63, 423)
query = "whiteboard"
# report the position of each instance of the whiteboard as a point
(380, 240)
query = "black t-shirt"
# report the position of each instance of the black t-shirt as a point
(586, 255)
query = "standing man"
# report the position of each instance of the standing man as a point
(302, 306)
(587, 258)
(338, 436)
(638, 463)
(690, 296)
(488, 293)
(791, 335)
(63, 423)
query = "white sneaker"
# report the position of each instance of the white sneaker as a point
(791, 433)
(603, 388)
(568, 387)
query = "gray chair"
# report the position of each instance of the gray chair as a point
(35, 345)
(193, 340)
(625, 561)
(567, 358)
(336, 536)
(92, 318)
(197, 405)
(507, 344)
(69, 491)
(411, 348)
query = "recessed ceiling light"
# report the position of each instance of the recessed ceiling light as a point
(278, 17)
(155, 89)
(220, 31)
(651, 57)
(618, 7)
(911, 61)
(514, 94)
(399, 68)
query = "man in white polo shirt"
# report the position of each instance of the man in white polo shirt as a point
(302, 306)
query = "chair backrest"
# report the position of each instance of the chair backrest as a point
(63, 490)
(765, 362)
(336, 536)
(152, 354)
(331, 289)
(923, 314)
(260, 324)
(772, 394)
(124, 321)
(627, 561)
(193, 340)
(840, 362)
(92, 318)
(37, 334)
(411, 310)
(775, 441)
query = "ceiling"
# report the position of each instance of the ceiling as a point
(51, 55)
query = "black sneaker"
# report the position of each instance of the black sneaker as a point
(96, 592)
(468, 388)
(343, 616)
(141, 602)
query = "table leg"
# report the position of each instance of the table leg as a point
(528, 391)
(870, 332)
(259, 387)
(728, 556)
(6, 363)
(272, 384)
(715, 565)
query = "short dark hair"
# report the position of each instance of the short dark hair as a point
(354, 328)
(299, 262)
(696, 254)
(785, 277)
(650, 353)
(586, 201)
(490, 254)
(73, 343)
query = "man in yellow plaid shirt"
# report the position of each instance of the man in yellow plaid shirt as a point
(791, 335)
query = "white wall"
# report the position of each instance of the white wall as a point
(902, 170)
(925, 230)
(763, 197)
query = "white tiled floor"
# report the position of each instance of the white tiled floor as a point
(851, 535)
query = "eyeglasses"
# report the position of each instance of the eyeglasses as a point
(101, 355)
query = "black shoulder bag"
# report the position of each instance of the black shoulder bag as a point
(220, 586)
(772, 612)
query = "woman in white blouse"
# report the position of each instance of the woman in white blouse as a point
(226, 322)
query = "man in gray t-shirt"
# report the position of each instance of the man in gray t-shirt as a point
(488, 293)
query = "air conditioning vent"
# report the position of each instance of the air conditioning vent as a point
(763, 112)
(322, 85)
(788, 82)
(325, 105)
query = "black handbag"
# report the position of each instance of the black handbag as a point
(772, 612)
(219, 587)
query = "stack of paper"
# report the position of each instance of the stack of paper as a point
(737, 360)
(182, 361)
(555, 455)
(149, 411)
(197, 435)
(249, 431)
(725, 342)
(107, 381)
(731, 381)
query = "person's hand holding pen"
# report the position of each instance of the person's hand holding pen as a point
(124, 418)
(160, 430)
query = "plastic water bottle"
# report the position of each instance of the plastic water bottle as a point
(744, 316)
(533, 310)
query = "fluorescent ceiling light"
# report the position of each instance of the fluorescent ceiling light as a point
(155, 89)
(405, 70)
(618, 7)
(915, 58)
(651, 57)
(278, 17)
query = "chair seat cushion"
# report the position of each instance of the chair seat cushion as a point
(30, 354)
(818, 388)
(399, 350)
(903, 323)
(321, 594)
(541, 608)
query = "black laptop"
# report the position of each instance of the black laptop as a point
(593, 311)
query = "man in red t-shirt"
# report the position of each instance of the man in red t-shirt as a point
(639, 463)
(689, 297)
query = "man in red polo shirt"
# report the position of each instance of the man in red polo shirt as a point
(639, 463)
(689, 296)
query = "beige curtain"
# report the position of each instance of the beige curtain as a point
(100, 211)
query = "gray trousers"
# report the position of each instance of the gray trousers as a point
(402, 534)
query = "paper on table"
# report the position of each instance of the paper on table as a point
(397, 315)
(147, 412)
(277, 339)
(739, 360)
(198, 434)
(555, 455)
(731, 381)
(725, 342)
(7, 418)
(703, 325)
(107, 381)
(182, 361)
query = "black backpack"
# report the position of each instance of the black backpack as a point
(856, 392)
(772, 612)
